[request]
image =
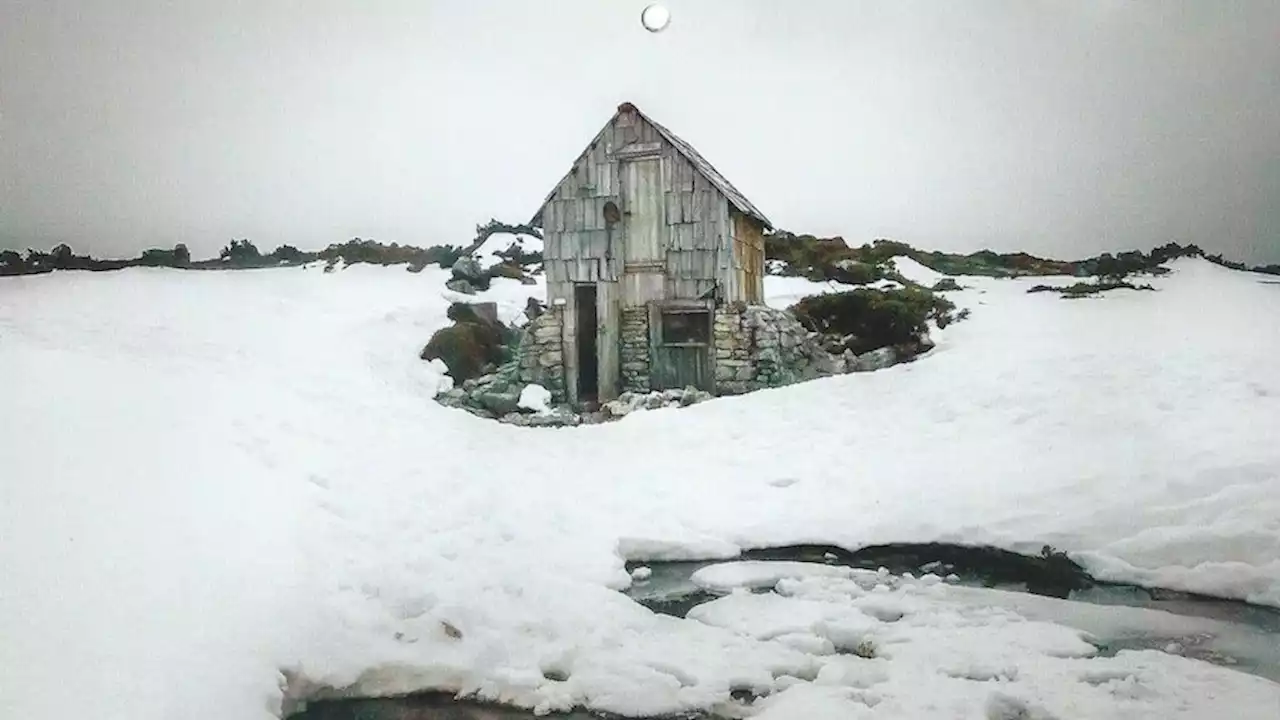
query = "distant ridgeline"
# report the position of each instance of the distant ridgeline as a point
(831, 259)
(815, 258)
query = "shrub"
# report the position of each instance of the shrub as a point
(375, 253)
(241, 254)
(1083, 289)
(471, 345)
(291, 255)
(865, 319)
(506, 270)
(178, 257)
(11, 263)
(946, 285)
(463, 349)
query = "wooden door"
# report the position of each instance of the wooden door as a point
(681, 347)
(644, 211)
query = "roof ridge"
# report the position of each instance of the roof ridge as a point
(682, 146)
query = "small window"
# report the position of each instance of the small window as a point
(686, 327)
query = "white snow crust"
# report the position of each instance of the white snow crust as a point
(211, 477)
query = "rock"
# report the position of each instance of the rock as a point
(654, 401)
(560, 417)
(498, 403)
(533, 308)
(692, 396)
(527, 280)
(507, 270)
(876, 360)
(479, 412)
(460, 286)
(452, 398)
(469, 269)
(487, 311)
(616, 409)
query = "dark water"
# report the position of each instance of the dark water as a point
(429, 706)
(1254, 646)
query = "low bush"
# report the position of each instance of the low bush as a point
(1084, 289)
(866, 319)
(471, 346)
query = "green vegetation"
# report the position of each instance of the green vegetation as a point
(1085, 289)
(823, 258)
(866, 319)
(357, 251)
(470, 347)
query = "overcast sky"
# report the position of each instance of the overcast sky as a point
(1061, 127)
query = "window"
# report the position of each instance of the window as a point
(686, 327)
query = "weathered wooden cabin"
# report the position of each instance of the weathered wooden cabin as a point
(644, 239)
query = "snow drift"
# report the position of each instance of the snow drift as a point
(211, 476)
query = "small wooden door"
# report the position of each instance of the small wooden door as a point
(681, 347)
(644, 211)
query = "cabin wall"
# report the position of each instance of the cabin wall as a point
(698, 228)
(578, 245)
(704, 244)
(748, 259)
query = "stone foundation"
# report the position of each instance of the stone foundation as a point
(756, 347)
(633, 352)
(540, 356)
(539, 360)
(761, 347)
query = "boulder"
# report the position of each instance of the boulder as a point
(560, 417)
(533, 308)
(468, 268)
(875, 360)
(460, 286)
(486, 311)
(616, 409)
(498, 403)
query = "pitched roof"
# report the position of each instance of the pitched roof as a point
(699, 163)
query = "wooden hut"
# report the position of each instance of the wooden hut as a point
(643, 240)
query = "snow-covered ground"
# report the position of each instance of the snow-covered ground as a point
(208, 476)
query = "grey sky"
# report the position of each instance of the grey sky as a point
(1062, 127)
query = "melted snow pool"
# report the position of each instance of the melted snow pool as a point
(1114, 617)
(1120, 638)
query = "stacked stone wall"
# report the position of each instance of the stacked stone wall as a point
(761, 347)
(633, 351)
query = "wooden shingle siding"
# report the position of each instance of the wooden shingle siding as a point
(681, 231)
(748, 250)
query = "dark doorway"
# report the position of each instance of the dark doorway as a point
(584, 301)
